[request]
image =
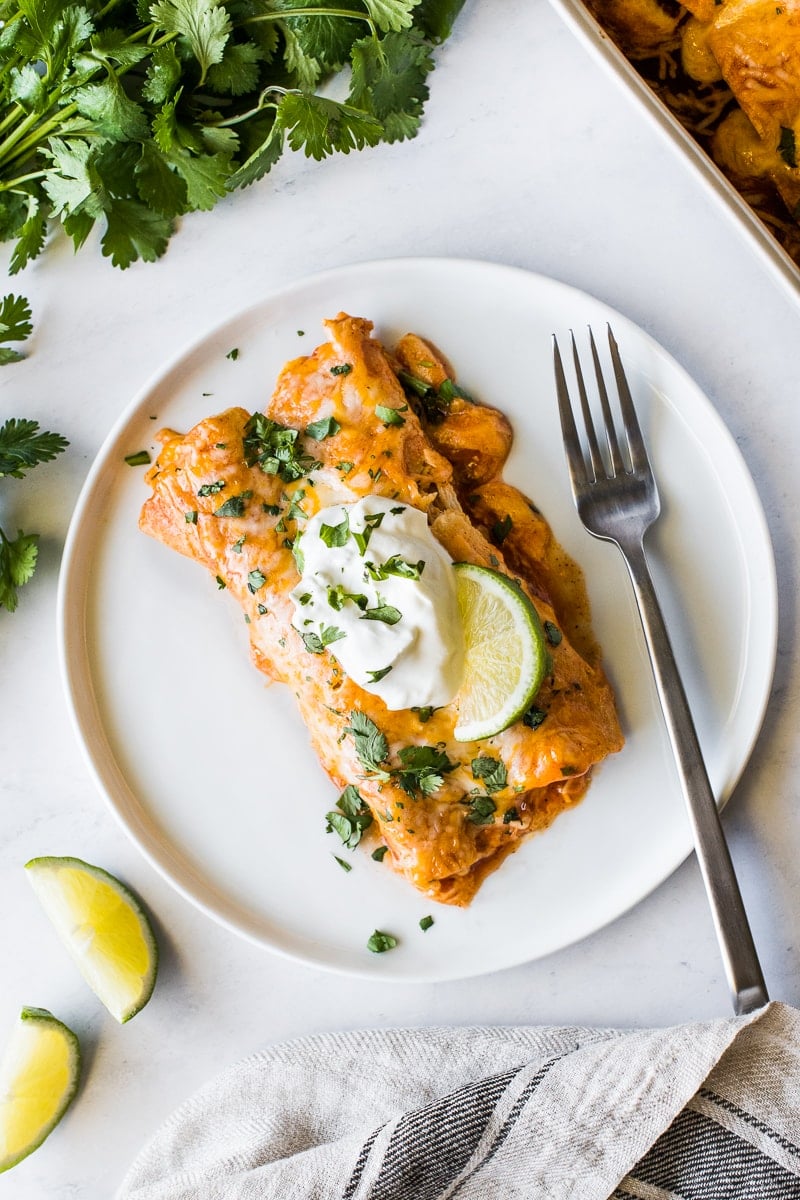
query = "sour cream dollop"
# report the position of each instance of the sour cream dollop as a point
(378, 590)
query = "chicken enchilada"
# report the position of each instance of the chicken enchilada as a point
(360, 445)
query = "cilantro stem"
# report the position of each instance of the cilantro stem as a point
(9, 150)
(13, 138)
(14, 183)
(252, 112)
(12, 115)
(346, 14)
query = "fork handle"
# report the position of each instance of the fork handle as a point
(739, 955)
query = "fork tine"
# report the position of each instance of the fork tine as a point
(636, 446)
(598, 467)
(572, 445)
(617, 464)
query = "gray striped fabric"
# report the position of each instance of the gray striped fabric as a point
(706, 1111)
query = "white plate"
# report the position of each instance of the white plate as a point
(732, 204)
(208, 766)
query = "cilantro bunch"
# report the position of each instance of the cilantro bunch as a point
(131, 113)
(22, 445)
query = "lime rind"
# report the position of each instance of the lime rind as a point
(506, 656)
(12, 1070)
(102, 973)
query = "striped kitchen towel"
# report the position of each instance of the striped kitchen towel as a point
(704, 1111)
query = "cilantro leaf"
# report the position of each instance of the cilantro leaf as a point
(23, 445)
(351, 817)
(134, 231)
(17, 564)
(30, 241)
(158, 184)
(237, 72)
(15, 319)
(163, 75)
(388, 80)
(73, 183)
(436, 17)
(371, 745)
(391, 14)
(204, 24)
(113, 115)
(318, 126)
(323, 39)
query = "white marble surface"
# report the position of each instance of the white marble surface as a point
(530, 154)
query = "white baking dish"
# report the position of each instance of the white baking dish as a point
(591, 33)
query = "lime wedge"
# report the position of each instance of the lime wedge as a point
(104, 928)
(39, 1076)
(506, 656)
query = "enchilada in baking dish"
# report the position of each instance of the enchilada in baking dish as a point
(730, 71)
(356, 441)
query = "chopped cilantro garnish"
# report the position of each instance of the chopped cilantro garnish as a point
(335, 535)
(425, 923)
(234, 506)
(191, 517)
(350, 817)
(328, 634)
(341, 369)
(395, 565)
(337, 597)
(275, 449)
(237, 546)
(345, 467)
(501, 529)
(139, 459)
(379, 942)
(255, 580)
(221, 584)
(510, 815)
(534, 717)
(491, 771)
(481, 810)
(324, 428)
(211, 489)
(787, 146)
(377, 676)
(382, 612)
(389, 416)
(424, 713)
(379, 852)
(422, 769)
(552, 633)
(346, 866)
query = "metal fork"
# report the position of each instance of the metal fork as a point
(617, 500)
